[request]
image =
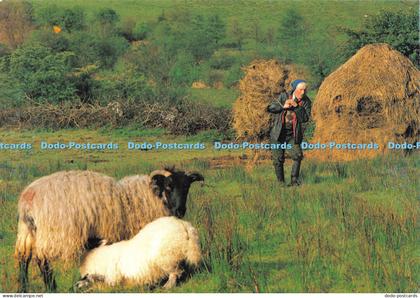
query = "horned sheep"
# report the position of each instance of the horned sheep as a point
(158, 251)
(62, 214)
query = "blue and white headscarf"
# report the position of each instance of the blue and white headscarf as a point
(295, 83)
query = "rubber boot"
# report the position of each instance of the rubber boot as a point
(279, 168)
(295, 173)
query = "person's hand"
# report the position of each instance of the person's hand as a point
(289, 103)
(293, 103)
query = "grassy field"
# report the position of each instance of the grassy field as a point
(351, 227)
(322, 13)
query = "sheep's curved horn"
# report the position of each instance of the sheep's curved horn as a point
(160, 172)
(195, 175)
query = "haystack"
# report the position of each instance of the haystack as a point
(199, 85)
(372, 98)
(263, 82)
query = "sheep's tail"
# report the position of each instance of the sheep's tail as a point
(193, 254)
(25, 245)
(25, 242)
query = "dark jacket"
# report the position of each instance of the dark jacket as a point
(303, 113)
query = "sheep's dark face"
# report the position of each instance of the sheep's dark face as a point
(174, 188)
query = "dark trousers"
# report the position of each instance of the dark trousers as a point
(295, 153)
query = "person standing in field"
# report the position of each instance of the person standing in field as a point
(291, 110)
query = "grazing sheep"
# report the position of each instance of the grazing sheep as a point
(155, 253)
(62, 214)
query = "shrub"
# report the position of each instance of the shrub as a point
(233, 75)
(141, 31)
(4, 50)
(221, 60)
(204, 36)
(127, 29)
(56, 42)
(133, 88)
(10, 93)
(91, 49)
(108, 49)
(183, 71)
(107, 16)
(107, 19)
(73, 19)
(69, 19)
(84, 46)
(151, 61)
(43, 75)
(396, 28)
(16, 22)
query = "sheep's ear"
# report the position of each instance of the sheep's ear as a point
(195, 176)
(158, 184)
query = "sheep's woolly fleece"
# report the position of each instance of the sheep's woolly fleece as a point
(154, 253)
(67, 208)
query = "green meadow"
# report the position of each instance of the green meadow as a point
(351, 227)
(267, 12)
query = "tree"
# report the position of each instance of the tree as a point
(107, 16)
(73, 19)
(107, 19)
(204, 36)
(236, 33)
(183, 71)
(256, 30)
(291, 34)
(43, 74)
(270, 36)
(127, 28)
(109, 49)
(396, 28)
(141, 31)
(56, 42)
(69, 19)
(216, 29)
(16, 22)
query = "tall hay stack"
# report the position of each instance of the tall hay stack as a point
(373, 97)
(262, 83)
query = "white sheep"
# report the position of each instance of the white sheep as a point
(155, 253)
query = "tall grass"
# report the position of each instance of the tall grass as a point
(351, 227)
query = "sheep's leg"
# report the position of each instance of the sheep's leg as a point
(87, 280)
(23, 272)
(23, 253)
(173, 277)
(47, 275)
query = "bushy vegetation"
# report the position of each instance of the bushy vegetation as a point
(93, 54)
(42, 74)
(398, 29)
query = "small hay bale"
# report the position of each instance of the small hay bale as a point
(199, 85)
(263, 82)
(373, 97)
